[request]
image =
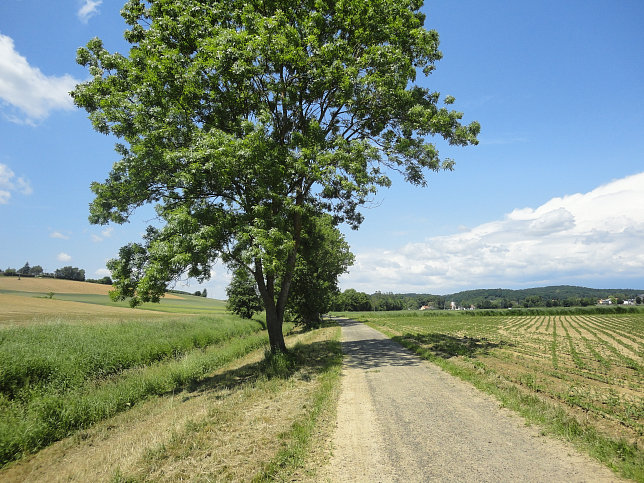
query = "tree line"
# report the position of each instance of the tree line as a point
(64, 273)
(548, 297)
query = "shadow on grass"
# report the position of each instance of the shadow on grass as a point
(303, 361)
(447, 346)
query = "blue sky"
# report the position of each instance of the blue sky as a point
(553, 194)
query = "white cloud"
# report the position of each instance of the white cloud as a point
(63, 257)
(9, 184)
(59, 235)
(569, 240)
(24, 186)
(103, 272)
(106, 233)
(552, 222)
(6, 175)
(88, 10)
(27, 89)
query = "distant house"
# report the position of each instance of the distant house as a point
(426, 307)
(605, 302)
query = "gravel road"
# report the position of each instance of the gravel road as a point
(403, 419)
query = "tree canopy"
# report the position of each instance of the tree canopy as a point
(240, 120)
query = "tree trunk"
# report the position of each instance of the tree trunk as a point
(275, 308)
(274, 316)
(275, 335)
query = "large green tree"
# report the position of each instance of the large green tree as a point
(240, 119)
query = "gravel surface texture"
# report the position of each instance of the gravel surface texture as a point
(403, 419)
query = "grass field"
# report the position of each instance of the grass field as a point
(243, 418)
(93, 390)
(578, 376)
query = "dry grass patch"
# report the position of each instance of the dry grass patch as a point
(21, 310)
(231, 427)
(40, 285)
(56, 285)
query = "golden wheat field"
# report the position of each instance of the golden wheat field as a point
(42, 300)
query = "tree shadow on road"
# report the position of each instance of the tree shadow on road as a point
(374, 353)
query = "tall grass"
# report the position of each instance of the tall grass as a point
(60, 357)
(60, 378)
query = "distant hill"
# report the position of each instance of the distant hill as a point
(557, 292)
(499, 298)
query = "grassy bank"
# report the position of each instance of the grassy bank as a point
(255, 418)
(59, 378)
(312, 428)
(60, 357)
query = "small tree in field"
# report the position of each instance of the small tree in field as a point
(243, 296)
(242, 120)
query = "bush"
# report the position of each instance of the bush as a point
(102, 281)
(71, 273)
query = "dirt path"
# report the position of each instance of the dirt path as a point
(403, 419)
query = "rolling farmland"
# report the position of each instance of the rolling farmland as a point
(41, 300)
(586, 369)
